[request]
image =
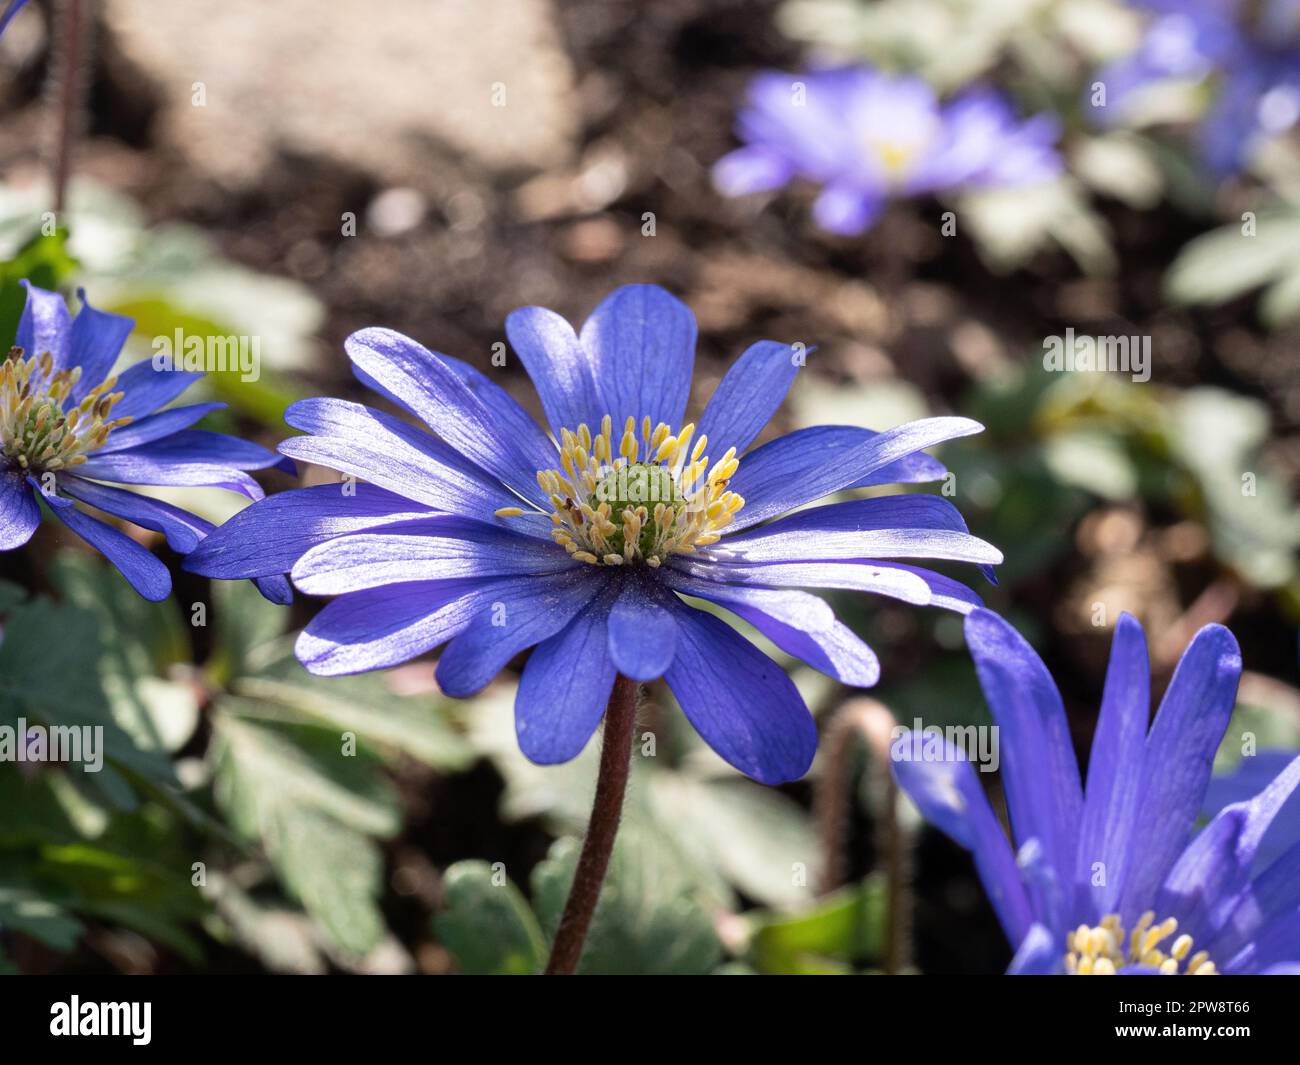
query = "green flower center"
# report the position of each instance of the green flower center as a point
(655, 495)
(36, 433)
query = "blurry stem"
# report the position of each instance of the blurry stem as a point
(871, 722)
(606, 810)
(68, 82)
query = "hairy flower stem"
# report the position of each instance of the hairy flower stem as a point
(68, 77)
(606, 810)
(871, 722)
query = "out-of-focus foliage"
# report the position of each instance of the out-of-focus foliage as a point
(168, 278)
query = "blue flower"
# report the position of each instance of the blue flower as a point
(866, 137)
(1116, 879)
(67, 426)
(492, 537)
(1255, 62)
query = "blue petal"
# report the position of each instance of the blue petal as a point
(1114, 771)
(19, 511)
(45, 326)
(748, 396)
(269, 537)
(156, 426)
(97, 338)
(509, 415)
(145, 389)
(560, 370)
(11, 9)
(143, 571)
(740, 701)
(748, 170)
(911, 584)
(848, 208)
(377, 447)
(905, 526)
(515, 614)
(135, 467)
(204, 446)
(642, 634)
(1039, 771)
(800, 624)
(641, 344)
(439, 547)
(863, 576)
(385, 626)
(950, 797)
(1271, 895)
(1246, 780)
(803, 467)
(565, 688)
(1039, 954)
(1276, 945)
(426, 385)
(275, 589)
(1176, 766)
(182, 529)
(1203, 888)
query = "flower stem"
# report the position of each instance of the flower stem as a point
(606, 810)
(869, 721)
(68, 78)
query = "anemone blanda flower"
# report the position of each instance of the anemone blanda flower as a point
(492, 539)
(67, 426)
(867, 137)
(1115, 878)
(1251, 54)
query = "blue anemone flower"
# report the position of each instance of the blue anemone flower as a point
(67, 427)
(1115, 878)
(491, 536)
(866, 137)
(1252, 56)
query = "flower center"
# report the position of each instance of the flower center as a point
(35, 431)
(656, 495)
(894, 158)
(1099, 951)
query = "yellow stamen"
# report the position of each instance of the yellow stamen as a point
(1100, 950)
(640, 501)
(38, 430)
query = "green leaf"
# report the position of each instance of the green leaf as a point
(23, 910)
(757, 838)
(261, 767)
(44, 261)
(838, 933)
(649, 919)
(315, 808)
(487, 926)
(1226, 262)
(246, 629)
(10, 596)
(365, 705)
(49, 674)
(334, 871)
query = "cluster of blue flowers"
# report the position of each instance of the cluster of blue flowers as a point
(1248, 53)
(490, 536)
